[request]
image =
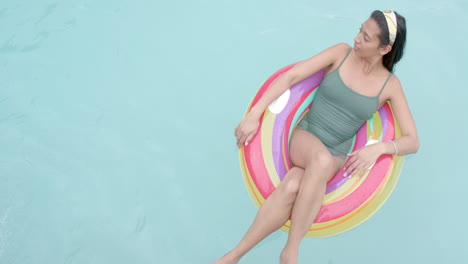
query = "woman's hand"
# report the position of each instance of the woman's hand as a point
(246, 129)
(362, 159)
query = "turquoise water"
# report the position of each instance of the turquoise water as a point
(117, 120)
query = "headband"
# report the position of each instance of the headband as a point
(391, 24)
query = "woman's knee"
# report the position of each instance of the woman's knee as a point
(324, 163)
(323, 160)
(291, 184)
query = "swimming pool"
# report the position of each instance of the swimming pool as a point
(117, 120)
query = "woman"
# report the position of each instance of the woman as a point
(358, 81)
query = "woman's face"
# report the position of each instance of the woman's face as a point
(367, 42)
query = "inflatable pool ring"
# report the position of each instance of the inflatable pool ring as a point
(348, 202)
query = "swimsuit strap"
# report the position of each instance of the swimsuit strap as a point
(345, 58)
(385, 84)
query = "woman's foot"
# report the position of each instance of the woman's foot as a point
(229, 258)
(288, 256)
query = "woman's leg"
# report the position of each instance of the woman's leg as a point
(273, 213)
(320, 166)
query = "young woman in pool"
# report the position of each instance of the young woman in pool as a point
(358, 81)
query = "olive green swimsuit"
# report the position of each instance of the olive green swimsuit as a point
(337, 112)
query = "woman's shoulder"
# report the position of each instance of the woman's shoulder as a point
(328, 58)
(342, 46)
(393, 88)
(336, 54)
(394, 81)
(340, 49)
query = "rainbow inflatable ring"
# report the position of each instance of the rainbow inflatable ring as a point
(348, 202)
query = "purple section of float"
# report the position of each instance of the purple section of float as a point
(332, 187)
(384, 118)
(297, 91)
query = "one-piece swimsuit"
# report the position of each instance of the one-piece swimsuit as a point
(337, 112)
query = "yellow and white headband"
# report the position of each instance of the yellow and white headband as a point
(392, 25)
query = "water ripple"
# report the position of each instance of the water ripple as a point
(141, 224)
(49, 10)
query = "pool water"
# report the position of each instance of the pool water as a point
(117, 122)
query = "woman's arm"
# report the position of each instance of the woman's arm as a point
(247, 128)
(298, 73)
(408, 142)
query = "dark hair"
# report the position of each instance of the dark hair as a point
(391, 58)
